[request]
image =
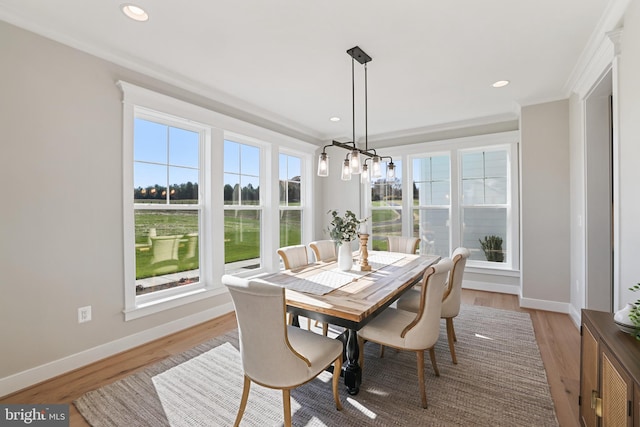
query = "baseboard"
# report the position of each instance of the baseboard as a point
(491, 287)
(49, 370)
(546, 305)
(576, 316)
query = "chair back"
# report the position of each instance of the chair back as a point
(323, 249)
(453, 293)
(423, 332)
(293, 256)
(267, 355)
(406, 245)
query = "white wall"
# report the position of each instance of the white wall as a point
(544, 206)
(629, 174)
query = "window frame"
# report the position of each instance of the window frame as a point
(508, 140)
(219, 127)
(303, 204)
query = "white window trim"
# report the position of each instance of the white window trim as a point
(454, 146)
(220, 126)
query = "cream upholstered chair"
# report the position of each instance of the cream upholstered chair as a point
(407, 245)
(293, 256)
(274, 354)
(405, 330)
(323, 249)
(410, 301)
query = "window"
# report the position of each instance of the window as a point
(242, 207)
(464, 192)
(386, 207)
(290, 200)
(484, 204)
(167, 205)
(431, 204)
(180, 161)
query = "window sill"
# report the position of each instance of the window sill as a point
(156, 306)
(508, 272)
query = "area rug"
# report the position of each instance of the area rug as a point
(499, 381)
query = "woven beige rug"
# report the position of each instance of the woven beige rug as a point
(499, 381)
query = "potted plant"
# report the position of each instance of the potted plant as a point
(343, 230)
(492, 247)
(628, 318)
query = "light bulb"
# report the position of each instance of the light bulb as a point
(346, 170)
(375, 168)
(323, 165)
(355, 162)
(364, 178)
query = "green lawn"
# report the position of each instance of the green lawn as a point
(241, 235)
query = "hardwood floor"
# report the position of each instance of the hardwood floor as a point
(557, 336)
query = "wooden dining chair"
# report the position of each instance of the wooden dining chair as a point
(274, 354)
(293, 256)
(417, 332)
(451, 301)
(406, 245)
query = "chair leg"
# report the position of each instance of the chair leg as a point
(325, 328)
(243, 401)
(451, 335)
(423, 391)
(337, 369)
(432, 355)
(286, 403)
(381, 351)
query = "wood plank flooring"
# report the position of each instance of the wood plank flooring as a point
(557, 336)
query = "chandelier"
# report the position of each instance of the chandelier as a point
(355, 162)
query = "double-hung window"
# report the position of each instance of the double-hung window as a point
(242, 207)
(167, 208)
(291, 200)
(485, 203)
(386, 207)
(432, 204)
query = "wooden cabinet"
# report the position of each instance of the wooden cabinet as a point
(609, 373)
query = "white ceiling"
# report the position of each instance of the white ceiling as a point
(286, 61)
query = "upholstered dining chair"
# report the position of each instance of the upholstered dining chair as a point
(293, 256)
(451, 301)
(274, 354)
(407, 245)
(405, 330)
(323, 250)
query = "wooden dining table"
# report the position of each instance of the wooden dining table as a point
(322, 292)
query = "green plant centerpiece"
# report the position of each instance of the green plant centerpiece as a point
(634, 313)
(492, 247)
(343, 228)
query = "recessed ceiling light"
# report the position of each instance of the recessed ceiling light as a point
(134, 12)
(500, 83)
(335, 119)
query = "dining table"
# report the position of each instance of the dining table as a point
(350, 299)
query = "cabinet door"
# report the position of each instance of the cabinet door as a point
(589, 378)
(616, 390)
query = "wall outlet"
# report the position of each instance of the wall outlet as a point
(84, 314)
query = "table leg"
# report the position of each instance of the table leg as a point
(351, 369)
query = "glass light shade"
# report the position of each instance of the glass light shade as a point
(346, 170)
(364, 178)
(356, 165)
(323, 165)
(376, 172)
(391, 171)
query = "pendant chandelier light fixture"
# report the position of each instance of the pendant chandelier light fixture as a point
(355, 162)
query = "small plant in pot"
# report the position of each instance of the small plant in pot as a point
(492, 247)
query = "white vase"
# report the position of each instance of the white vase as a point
(345, 257)
(622, 320)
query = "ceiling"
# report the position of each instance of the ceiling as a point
(285, 61)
